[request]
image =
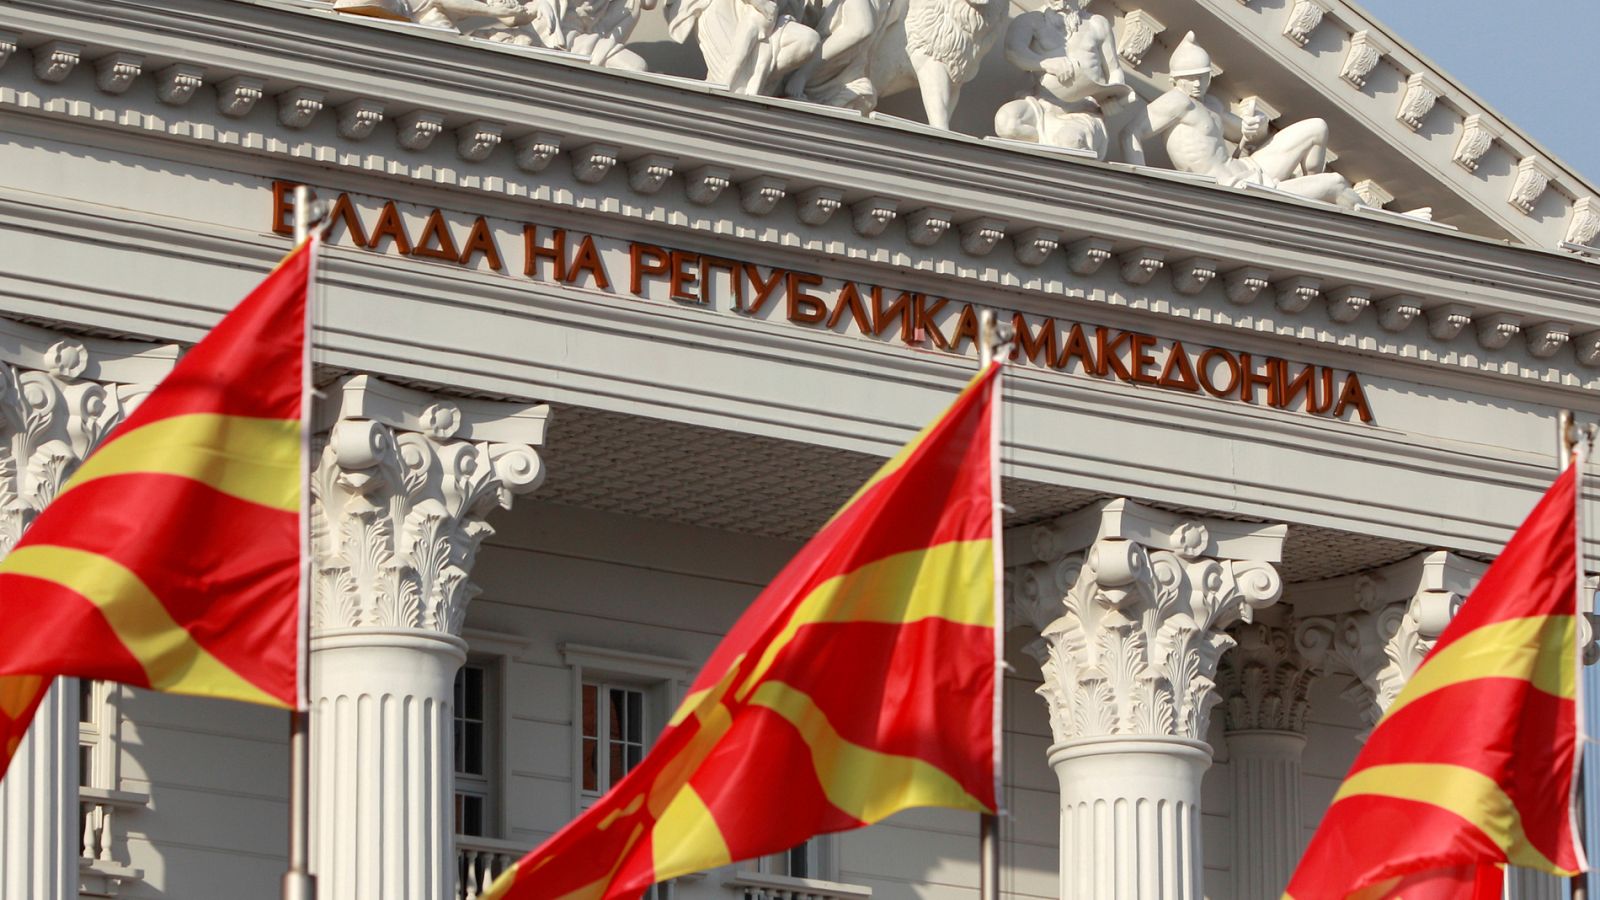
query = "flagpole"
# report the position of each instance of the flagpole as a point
(991, 336)
(298, 882)
(1569, 452)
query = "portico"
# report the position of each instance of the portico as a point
(598, 349)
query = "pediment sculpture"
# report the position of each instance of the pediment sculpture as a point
(853, 53)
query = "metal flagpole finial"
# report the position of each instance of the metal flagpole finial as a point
(993, 337)
(309, 212)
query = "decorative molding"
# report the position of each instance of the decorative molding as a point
(1304, 17)
(1398, 312)
(1245, 284)
(816, 205)
(1587, 347)
(1295, 294)
(1533, 177)
(1421, 94)
(298, 106)
(1477, 136)
(648, 174)
(1132, 626)
(401, 493)
(979, 236)
(1373, 194)
(533, 152)
(872, 215)
(1584, 226)
(1366, 50)
(705, 184)
(1345, 304)
(591, 163)
(1401, 608)
(1086, 256)
(416, 130)
(1139, 30)
(925, 226)
(53, 61)
(1035, 245)
(1192, 275)
(760, 195)
(1546, 338)
(176, 84)
(477, 139)
(237, 96)
(1141, 264)
(358, 118)
(1445, 322)
(1264, 680)
(9, 42)
(115, 72)
(1497, 329)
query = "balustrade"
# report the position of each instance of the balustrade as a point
(479, 861)
(101, 872)
(758, 886)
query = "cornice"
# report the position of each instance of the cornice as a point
(543, 104)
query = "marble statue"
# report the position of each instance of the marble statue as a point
(837, 75)
(935, 46)
(1081, 100)
(599, 29)
(1198, 128)
(751, 46)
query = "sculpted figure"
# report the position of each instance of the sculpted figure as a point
(1198, 128)
(749, 45)
(838, 74)
(531, 23)
(599, 28)
(1082, 99)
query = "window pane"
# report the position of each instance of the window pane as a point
(473, 708)
(591, 764)
(800, 861)
(591, 710)
(472, 761)
(618, 766)
(636, 717)
(85, 700)
(461, 691)
(469, 815)
(635, 753)
(617, 711)
(85, 766)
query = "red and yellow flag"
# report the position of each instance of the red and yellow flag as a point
(1473, 765)
(171, 558)
(861, 682)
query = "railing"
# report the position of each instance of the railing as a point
(756, 886)
(101, 873)
(479, 860)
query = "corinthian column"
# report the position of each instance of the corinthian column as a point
(1131, 604)
(59, 396)
(403, 489)
(1264, 682)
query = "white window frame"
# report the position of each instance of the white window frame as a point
(663, 680)
(98, 731)
(820, 861)
(486, 785)
(500, 650)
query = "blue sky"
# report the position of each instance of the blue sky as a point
(1537, 69)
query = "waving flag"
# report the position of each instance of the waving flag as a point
(171, 558)
(1473, 765)
(861, 682)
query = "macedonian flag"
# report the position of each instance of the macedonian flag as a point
(171, 558)
(861, 682)
(1473, 765)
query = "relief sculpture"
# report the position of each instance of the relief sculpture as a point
(1082, 100)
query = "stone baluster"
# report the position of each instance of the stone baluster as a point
(402, 490)
(1264, 682)
(59, 396)
(1131, 604)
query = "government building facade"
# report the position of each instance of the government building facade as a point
(621, 298)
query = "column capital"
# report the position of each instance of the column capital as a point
(1389, 619)
(403, 487)
(1131, 603)
(59, 396)
(1264, 680)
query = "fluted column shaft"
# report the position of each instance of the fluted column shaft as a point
(1131, 631)
(40, 831)
(1267, 840)
(402, 492)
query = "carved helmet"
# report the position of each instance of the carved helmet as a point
(1189, 58)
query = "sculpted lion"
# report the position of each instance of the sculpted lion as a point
(875, 48)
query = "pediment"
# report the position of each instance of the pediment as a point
(1410, 140)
